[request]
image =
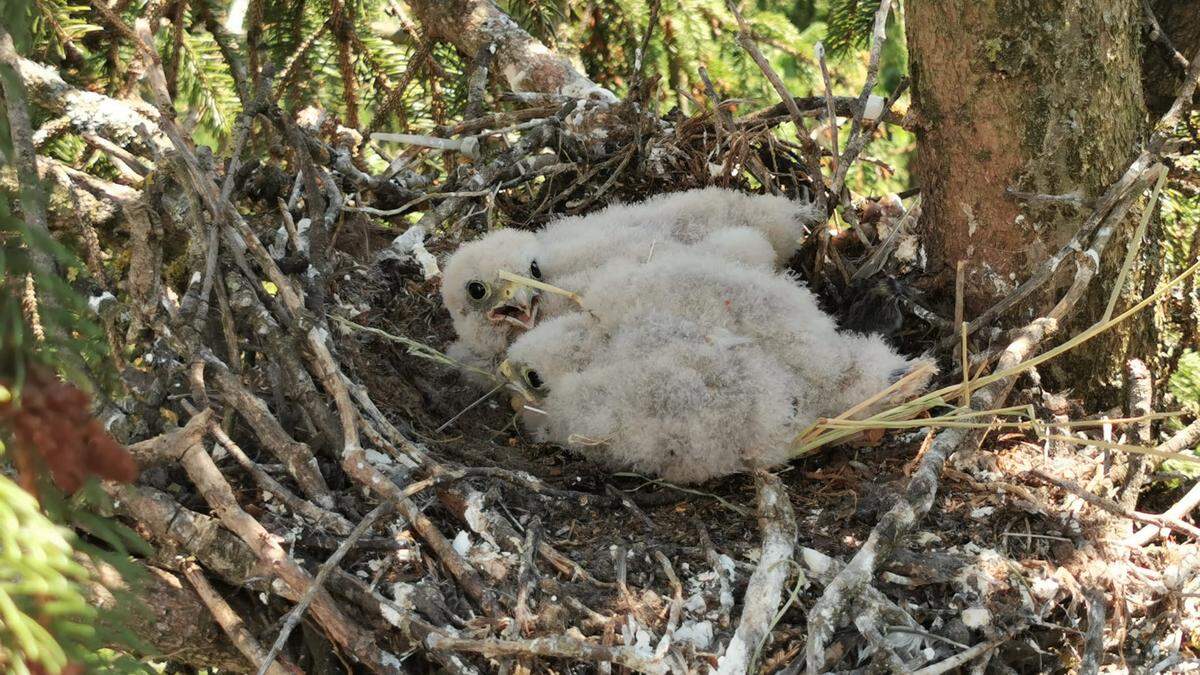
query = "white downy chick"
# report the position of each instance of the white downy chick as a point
(664, 396)
(691, 215)
(586, 250)
(833, 370)
(555, 348)
(488, 312)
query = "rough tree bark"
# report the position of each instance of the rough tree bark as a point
(1043, 98)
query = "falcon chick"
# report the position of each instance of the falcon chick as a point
(835, 370)
(489, 312)
(690, 367)
(664, 396)
(692, 215)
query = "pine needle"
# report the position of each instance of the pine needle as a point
(1135, 243)
(417, 349)
(1125, 447)
(467, 409)
(541, 285)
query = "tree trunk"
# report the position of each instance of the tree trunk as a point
(1036, 97)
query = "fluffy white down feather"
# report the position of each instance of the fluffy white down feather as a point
(834, 370)
(666, 397)
(756, 230)
(689, 367)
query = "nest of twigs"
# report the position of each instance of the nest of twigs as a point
(294, 407)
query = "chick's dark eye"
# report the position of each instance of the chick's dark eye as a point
(476, 289)
(534, 270)
(535, 380)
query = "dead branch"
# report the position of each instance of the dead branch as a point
(777, 521)
(964, 657)
(1115, 508)
(169, 447)
(860, 134)
(32, 204)
(1137, 467)
(561, 647)
(174, 619)
(1093, 648)
(119, 121)
(297, 612)
(232, 624)
(813, 106)
(526, 64)
(195, 534)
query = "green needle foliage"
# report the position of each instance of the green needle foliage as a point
(46, 619)
(850, 25)
(45, 616)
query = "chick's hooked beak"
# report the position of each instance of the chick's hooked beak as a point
(514, 382)
(517, 305)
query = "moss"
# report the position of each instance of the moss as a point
(1082, 119)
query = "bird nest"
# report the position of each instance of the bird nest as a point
(314, 370)
(1011, 566)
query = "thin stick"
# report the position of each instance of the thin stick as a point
(812, 153)
(960, 278)
(1186, 438)
(1114, 508)
(467, 409)
(676, 608)
(819, 49)
(1135, 243)
(959, 287)
(858, 139)
(662, 483)
(294, 616)
(418, 349)
(966, 366)
(231, 623)
(722, 116)
(963, 657)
